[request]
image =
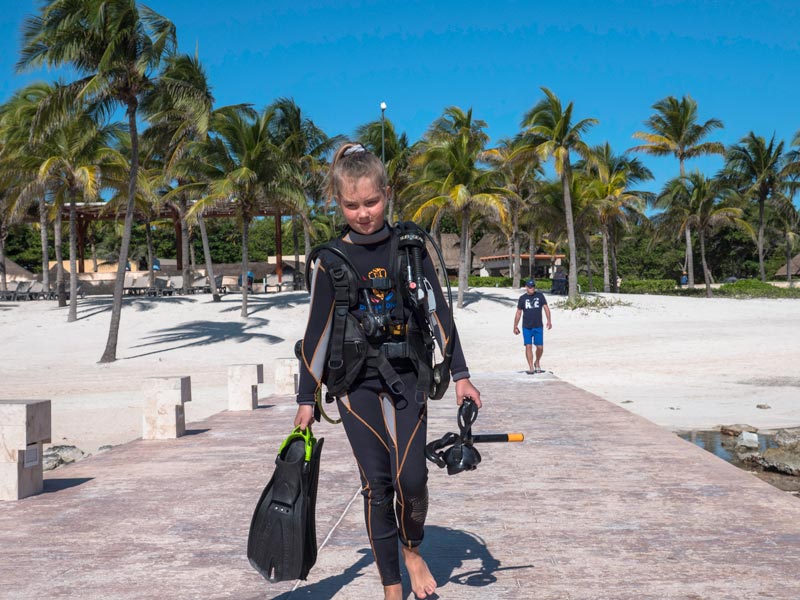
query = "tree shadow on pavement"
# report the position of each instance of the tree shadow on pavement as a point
(205, 333)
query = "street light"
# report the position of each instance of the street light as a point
(383, 136)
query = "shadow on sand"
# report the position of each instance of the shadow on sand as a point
(90, 307)
(447, 552)
(260, 302)
(472, 297)
(205, 333)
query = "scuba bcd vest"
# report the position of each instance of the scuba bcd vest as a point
(385, 343)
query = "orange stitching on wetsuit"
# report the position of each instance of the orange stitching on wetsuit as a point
(367, 425)
(400, 487)
(369, 514)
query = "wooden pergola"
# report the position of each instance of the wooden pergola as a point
(87, 212)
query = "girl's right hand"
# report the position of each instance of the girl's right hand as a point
(304, 416)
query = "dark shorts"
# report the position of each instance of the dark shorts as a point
(534, 335)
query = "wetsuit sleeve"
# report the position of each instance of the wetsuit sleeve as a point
(443, 318)
(315, 340)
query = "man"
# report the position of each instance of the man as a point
(530, 307)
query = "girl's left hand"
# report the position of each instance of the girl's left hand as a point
(465, 389)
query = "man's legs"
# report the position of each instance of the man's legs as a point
(529, 356)
(527, 339)
(538, 341)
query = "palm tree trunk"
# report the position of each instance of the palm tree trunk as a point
(110, 352)
(151, 258)
(511, 257)
(789, 260)
(706, 272)
(614, 276)
(296, 244)
(688, 238)
(72, 315)
(531, 255)
(462, 258)
(760, 241)
(186, 269)
(60, 291)
(3, 276)
(94, 257)
(606, 287)
(207, 255)
(517, 260)
(245, 239)
(45, 243)
(573, 247)
(588, 240)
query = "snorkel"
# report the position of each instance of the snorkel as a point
(462, 455)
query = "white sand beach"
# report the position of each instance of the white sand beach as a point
(683, 363)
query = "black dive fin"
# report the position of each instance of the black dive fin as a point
(282, 544)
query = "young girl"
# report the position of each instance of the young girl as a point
(386, 429)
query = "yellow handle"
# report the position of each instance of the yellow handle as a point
(516, 437)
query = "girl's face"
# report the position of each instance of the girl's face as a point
(363, 204)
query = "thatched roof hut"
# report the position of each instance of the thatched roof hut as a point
(795, 266)
(16, 273)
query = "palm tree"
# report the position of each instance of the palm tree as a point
(69, 164)
(674, 130)
(16, 122)
(397, 152)
(609, 195)
(551, 129)
(303, 147)
(519, 164)
(451, 180)
(118, 46)
(787, 219)
(178, 111)
(706, 213)
(759, 170)
(241, 165)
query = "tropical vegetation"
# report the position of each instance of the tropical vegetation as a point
(137, 133)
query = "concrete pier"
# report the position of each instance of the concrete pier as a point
(243, 383)
(597, 503)
(163, 415)
(24, 428)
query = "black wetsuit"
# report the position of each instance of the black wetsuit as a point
(386, 431)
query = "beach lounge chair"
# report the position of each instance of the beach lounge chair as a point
(161, 287)
(229, 284)
(10, 292)
(35, 291)
(21, 293)
(200, 286)
(176, 284)
(127, 286)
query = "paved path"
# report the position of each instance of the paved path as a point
(597, 503)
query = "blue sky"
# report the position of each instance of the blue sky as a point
(740, 59)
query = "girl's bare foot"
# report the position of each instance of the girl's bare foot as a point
(422, 582)
(393, 592)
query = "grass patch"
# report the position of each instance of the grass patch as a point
(596, 303)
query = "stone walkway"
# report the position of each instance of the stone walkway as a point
(597, 503)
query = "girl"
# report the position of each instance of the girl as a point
(386, 429)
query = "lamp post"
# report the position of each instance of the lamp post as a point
(383, 136)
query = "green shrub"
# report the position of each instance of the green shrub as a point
(647, 286)
(754, 288)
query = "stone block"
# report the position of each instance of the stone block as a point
(24, 428)
(243, 383)
(163, 414)
(287, 371)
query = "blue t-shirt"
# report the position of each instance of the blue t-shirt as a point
(531, 307)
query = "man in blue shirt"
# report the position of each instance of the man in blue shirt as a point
(530, 307)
